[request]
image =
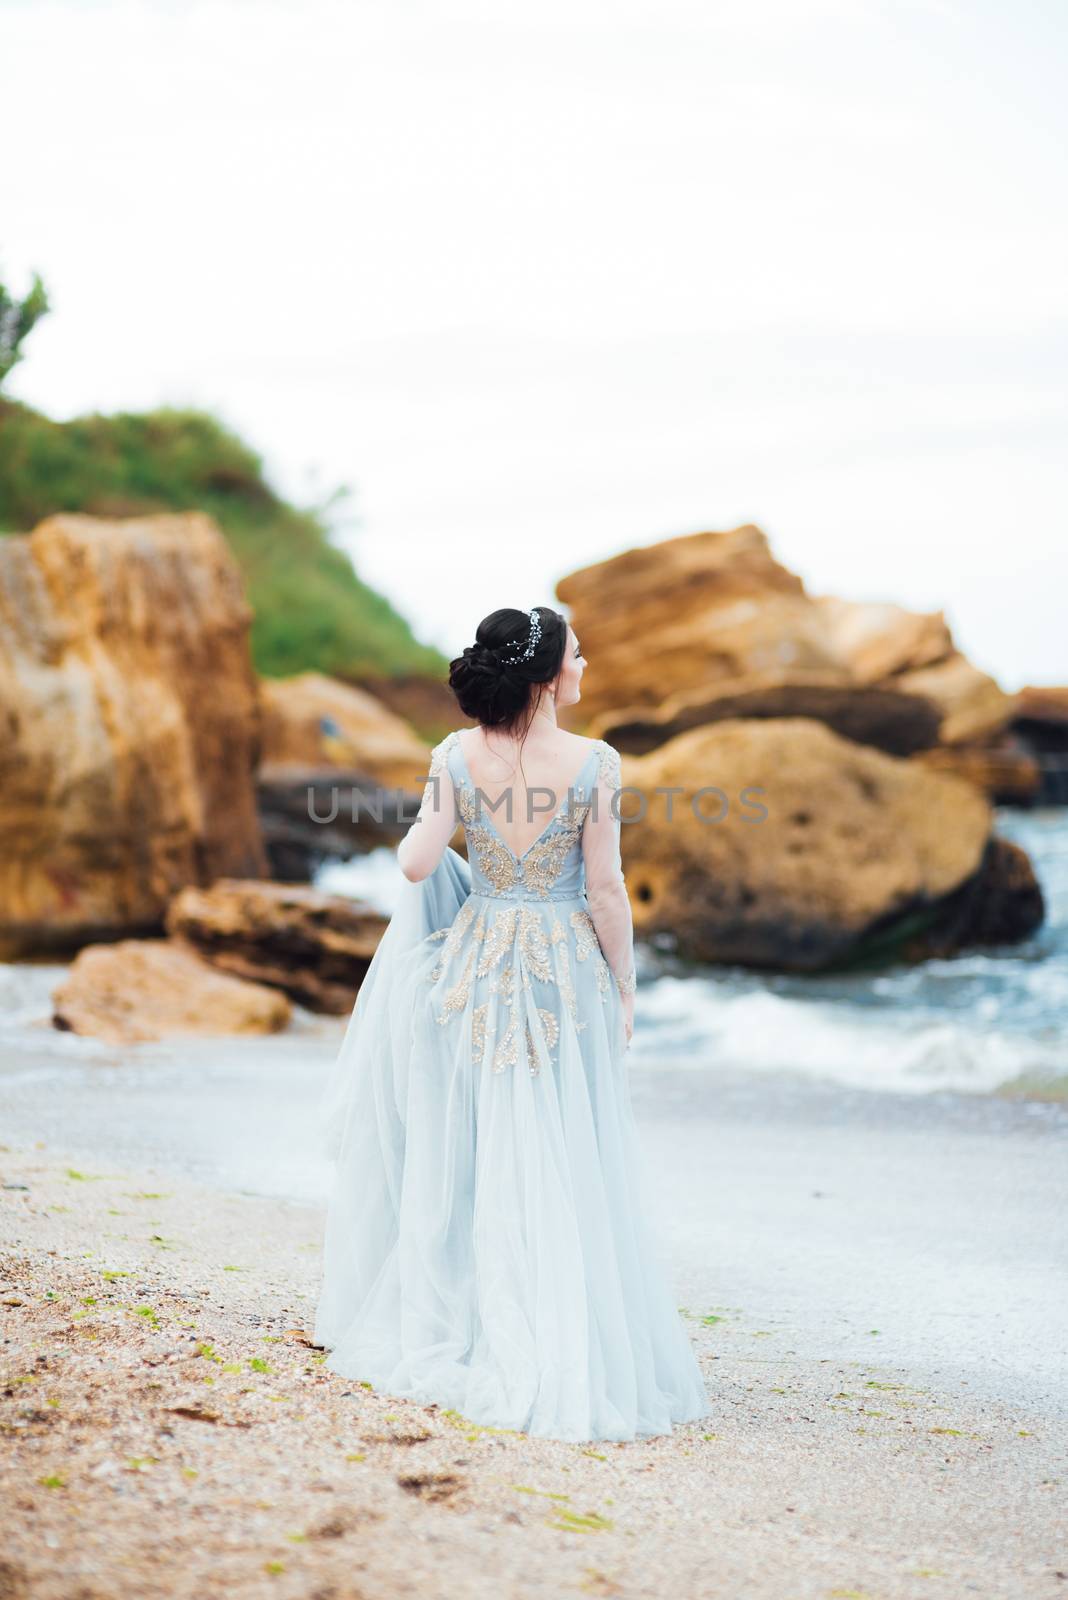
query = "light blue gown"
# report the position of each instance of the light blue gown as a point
(488, 1247)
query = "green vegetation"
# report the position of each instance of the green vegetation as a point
(576, 1522)
(17, 320)
(311, 610)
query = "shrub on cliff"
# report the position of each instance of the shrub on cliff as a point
(311, 609)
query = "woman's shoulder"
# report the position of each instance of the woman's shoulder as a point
(579, 744)
(609, 766)
(575, 744)
(440, 753)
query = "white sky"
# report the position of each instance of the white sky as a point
(544, 280)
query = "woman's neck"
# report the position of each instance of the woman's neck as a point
(544, 714)
(510, 741)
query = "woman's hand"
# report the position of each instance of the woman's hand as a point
(628, 1015)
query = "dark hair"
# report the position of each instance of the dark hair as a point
(494, 691)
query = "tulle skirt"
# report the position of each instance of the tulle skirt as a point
(488, 1243)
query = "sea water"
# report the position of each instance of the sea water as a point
(977, 1022)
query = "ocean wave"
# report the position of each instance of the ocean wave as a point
(759, 1031)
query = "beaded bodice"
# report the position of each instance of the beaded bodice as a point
(549, 869)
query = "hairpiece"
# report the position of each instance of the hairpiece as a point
(531, 643)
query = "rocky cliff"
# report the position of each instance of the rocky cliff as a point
(130, 718)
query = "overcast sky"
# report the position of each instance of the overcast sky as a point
(547, 279)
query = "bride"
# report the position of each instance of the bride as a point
(487, 1246)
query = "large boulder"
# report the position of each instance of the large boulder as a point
(710, 626)
(341, 773)
(314, 721)
(913, 653)
(688, 612)
(973, 707)
(826, 851)
(314, 946)
(999, 904)
(1046, 704)
(311, 816)
(144, 989)
(877, 639)
(889, 719)
(425, 703)
(128, 713)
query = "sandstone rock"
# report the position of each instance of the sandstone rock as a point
(1002, 770)
(973, 706)
(710, 625)
(314, 946)
(858, 851)
(875, 640)
(886, 718)
(424, 703)
(314, 721)
(128, 713)
(1000, 904)
(688, 612)
(342, 774)
(310, 816)
(1048, 704)
(142, 989)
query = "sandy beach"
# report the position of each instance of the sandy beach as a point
(169, 1429)
(507, 512)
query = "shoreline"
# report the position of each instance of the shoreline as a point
(841, 1222)
(168, 1429)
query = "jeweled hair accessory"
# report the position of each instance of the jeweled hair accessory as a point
(531, 643)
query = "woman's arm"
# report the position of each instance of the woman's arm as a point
(423, 846)
(606, 889)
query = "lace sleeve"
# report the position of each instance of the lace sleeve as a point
(606, 889)
(423, 846)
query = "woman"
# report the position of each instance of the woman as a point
(487, 1247)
